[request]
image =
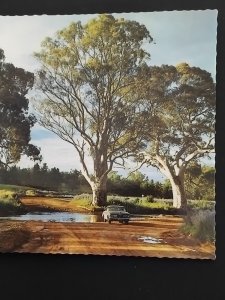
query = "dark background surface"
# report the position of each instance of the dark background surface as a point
(103, 277)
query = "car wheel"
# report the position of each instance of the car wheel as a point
(126, 222)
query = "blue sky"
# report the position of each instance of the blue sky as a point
(180, 36)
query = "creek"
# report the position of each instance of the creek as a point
(56, 217)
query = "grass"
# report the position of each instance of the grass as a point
(200, 225)
(201, 205)
(14, 188)
(134, 205)
(85, 201)
(144, 205)
(6, 194)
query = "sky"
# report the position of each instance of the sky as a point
(179, 36)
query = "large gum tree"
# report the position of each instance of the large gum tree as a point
(182, 101)
(87, 77)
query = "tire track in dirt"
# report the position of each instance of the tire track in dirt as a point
(110, 239)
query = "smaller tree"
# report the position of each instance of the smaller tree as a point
(182, 104)
(200, 182)
(15, 122)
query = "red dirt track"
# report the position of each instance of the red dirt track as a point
(106, 239)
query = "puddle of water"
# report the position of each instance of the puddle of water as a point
(150, 240)
(56, 217)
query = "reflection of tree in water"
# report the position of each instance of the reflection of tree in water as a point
(94, 218)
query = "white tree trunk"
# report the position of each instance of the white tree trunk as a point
(99, 193)
(176, 177)
(179, 196)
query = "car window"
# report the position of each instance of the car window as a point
(116, 209)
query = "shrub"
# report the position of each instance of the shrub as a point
(115, 201)
(136, 201)
(83, 197)
(201, 205)
(10, 206)
(159, 205)
(5, 194)
(201, 225)
(136, 206)
(150, 199)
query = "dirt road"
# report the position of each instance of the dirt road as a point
(107, 239)
(50, 204)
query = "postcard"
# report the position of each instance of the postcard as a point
(107, 134)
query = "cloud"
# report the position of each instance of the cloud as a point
(60, 154)
(179, 35)
(56, 153)
(21, 36)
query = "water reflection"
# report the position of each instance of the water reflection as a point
(56, 217)
(150, 240)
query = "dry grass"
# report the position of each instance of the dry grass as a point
(54, 204)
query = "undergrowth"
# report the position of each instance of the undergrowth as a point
(200, 225)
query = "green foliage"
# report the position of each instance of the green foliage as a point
(137, 184)
(181, 129)
(141, 206)
(6, 194)
(150, 199)
(136, 201)
(41, 177)
(15, 123)
(200, 182)
(83, 196)
(160, 204)
(13, 189)
(201, 225)
(88, 75)
(9, 203)
(83, 202)
(201, 205)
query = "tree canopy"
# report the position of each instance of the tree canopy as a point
(99, 94)
(88, 76)
(15, 122)
(182, 101)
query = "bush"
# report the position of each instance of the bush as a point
(201, 205)
(136, 201)
(11, 206)
(5, 194)
(115, 201)
(136, 206)
(159, 205)
(83, 197)
(150, 199)
(201, 225)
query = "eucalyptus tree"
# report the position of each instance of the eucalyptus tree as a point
(87, 76)
(182, 101)
(15, 121)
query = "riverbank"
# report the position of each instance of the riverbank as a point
(49, 204)
(156, 237)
